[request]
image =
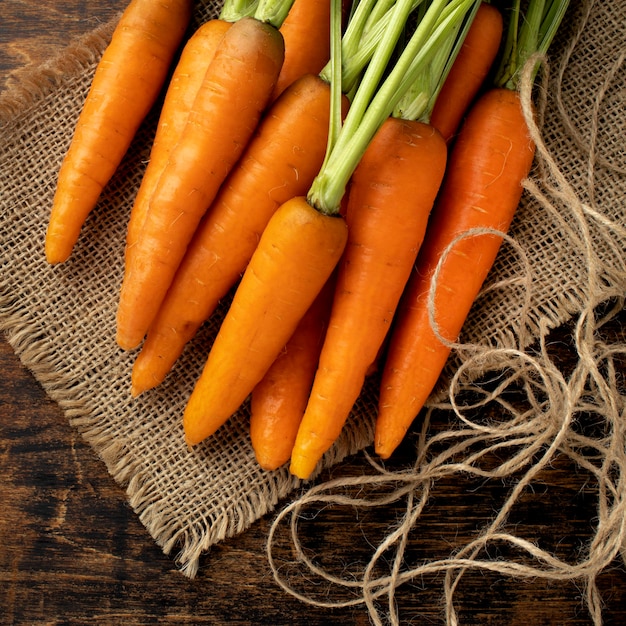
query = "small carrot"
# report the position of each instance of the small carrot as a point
(126, 84)
(304, 239)
(278, 401)
(306, 31)
(234, 93)
(392, 191)
(241, 355)
(280, 162)
(469, 70)
(490, 158)
(181, 92)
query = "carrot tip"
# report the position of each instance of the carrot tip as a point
(268, 464)
(56, 255)
(135, 392)
(302, 467)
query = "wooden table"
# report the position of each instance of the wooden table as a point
(73, 552)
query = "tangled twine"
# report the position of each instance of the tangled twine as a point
(526, 438)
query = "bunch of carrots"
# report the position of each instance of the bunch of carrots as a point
(348, 169)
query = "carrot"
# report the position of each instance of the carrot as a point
(490, 158)
(306, 31)
(181, 92)
(469, 70)
(241, 355)
(304, 239)
(278, 401)
(280, 162)
(125, 86)
(234, 93)
(392, 191)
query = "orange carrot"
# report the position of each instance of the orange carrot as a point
(278, 401)
(241, 355)
(306, 31)
(226, 111)
(179, 98)
(492, 155)
(280, 162)
(125, 86)
(391, 194)
(469, 70)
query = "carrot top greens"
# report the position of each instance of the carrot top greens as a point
(384, 82)
(234, 10)
(529, 32)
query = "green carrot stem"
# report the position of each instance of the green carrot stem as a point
(335, 74)
(273, 12)
(364, 31)
(234, 10)
(373, 103)
(528, 33)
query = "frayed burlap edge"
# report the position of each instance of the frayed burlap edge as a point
(27, 86)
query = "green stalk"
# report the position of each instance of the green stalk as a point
(528, 33)
(273, 12)
(373, 103)
(234, 10)
(371, 79)
(336, 63)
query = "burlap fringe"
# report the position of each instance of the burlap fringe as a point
(26, 87)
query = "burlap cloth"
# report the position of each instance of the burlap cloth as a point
(567, 250)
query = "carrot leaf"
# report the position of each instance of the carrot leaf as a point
(419, 99)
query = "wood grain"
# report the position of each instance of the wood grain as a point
(73, 551)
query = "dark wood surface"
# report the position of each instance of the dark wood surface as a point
(73, 552)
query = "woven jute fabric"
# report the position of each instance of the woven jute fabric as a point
(61, 320)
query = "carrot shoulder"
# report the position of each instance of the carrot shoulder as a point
(179, 98)
(298, 250)
(125, 86)
(280, 162)
(226, 111)
(492, 155)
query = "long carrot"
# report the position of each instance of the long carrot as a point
(234, 93)
(306, 31)
(181, 92)
(280, 162)
(126, 84)
(278, 401)
(490, 158)
(391, 195)
(292, 262)
(469, 70)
